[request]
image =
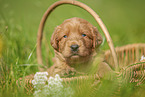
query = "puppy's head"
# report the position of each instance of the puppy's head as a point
(76, 39)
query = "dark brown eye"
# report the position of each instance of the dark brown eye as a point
(83, 35)
(65, 36)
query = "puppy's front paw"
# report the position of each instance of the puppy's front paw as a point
(70, 71)
(63, 71)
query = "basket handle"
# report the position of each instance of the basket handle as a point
(88, 9)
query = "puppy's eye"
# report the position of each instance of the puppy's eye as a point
(65, 36)
(83, 35)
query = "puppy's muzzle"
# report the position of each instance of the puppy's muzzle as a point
(74, 47)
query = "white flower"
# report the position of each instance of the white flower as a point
(38, 91)
(142, 58)
(50, 78)
(57, 78)
(54, 88)
(34, 82)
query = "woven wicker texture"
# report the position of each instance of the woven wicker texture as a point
(126, 55)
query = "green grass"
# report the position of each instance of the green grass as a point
(19, 21)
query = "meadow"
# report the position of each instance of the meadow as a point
(19, 21)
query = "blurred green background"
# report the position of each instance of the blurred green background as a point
(19, 21)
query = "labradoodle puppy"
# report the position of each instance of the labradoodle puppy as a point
(76, 43)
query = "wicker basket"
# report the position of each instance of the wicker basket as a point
(126, 55)
(119, 58)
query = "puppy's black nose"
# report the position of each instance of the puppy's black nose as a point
(74, 47)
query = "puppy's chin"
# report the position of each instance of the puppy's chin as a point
(77, 59)
(73, 57)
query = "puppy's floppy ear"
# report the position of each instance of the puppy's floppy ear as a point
(97, 38)
(54, 38)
